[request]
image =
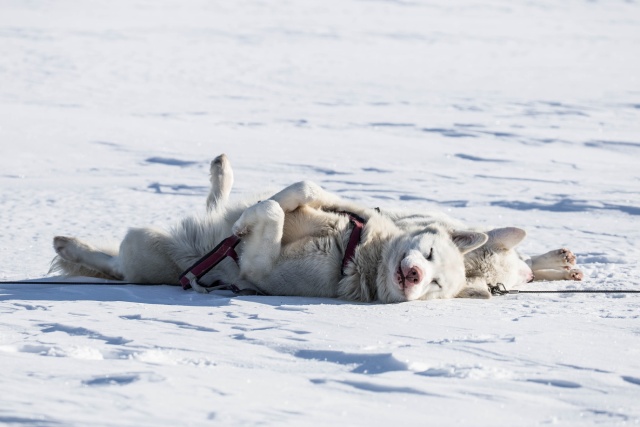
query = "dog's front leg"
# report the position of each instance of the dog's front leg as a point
(260, 227)
(305, 193)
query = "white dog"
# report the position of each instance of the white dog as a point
(292, 244)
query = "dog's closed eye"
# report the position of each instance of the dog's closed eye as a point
(430, 256)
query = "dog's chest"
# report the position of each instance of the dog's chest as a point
(327, 246)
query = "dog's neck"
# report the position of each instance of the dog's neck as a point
(362, 274)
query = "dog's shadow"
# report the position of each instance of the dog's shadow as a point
(91, 289)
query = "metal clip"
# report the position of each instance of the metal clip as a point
(500, 289)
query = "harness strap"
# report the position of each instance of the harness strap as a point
(206, 263)
(354, 239)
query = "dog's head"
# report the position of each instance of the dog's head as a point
(497, 261)
(425, 264)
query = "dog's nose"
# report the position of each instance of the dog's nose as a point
(412, 275)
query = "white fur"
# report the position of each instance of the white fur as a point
(292, 244)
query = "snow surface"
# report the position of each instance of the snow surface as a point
(521, 113)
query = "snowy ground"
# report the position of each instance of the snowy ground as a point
(500, 112)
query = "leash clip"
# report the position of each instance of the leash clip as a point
(500, 289)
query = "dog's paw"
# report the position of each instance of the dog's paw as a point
(66, 247)
(558, 259)
(60, 242)
(247, 221)
(302, 193)
(568, 257)
(258, 216)
(574, 274)
(240, 229)
(220, 165)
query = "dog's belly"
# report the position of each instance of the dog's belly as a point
(307, 267)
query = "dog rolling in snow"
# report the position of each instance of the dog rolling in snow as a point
(292, 244)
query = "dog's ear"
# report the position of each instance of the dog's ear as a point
(506, 238)
(467, 241)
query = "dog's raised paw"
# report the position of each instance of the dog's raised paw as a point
(220, 159)
(568, 256)
(220, 162)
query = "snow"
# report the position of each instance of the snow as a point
(497, 112)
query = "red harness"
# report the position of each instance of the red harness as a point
(354, 239)
(206, 263)
(226, 248)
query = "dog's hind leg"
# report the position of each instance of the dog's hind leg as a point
(555, 265)
(559, 259)
(548, 275)
(260, 227)
(221, 178)
(145, 257)
(78, 252)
